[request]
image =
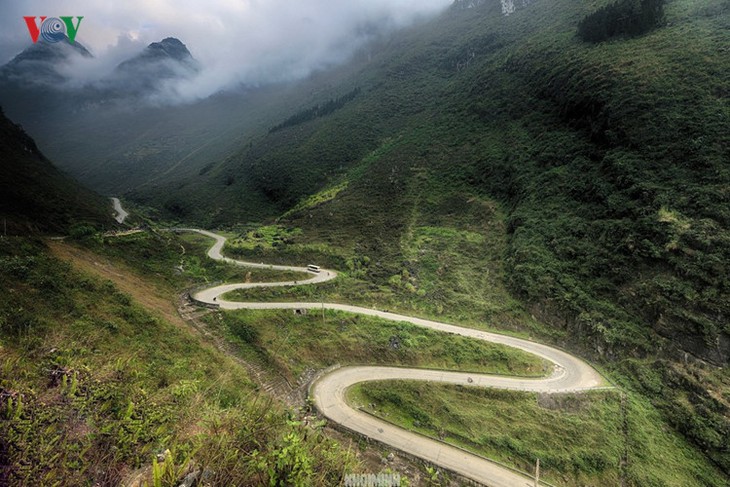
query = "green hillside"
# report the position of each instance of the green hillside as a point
(37, 197)
(598, 170)
(98, 381)
(559, 173)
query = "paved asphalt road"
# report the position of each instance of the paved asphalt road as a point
(570, 374)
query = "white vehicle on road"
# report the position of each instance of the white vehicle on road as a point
(328, 392)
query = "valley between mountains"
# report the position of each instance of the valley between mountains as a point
(515, 217)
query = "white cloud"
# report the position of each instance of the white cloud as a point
(235, 40)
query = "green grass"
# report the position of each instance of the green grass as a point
(449, 274)
(501, 173)
(178, 261)
(261, 237)
(294, 344)
(593, 177)
(277, 244)
(317, 199)
(579, 438)
(566, 158)
(93, 386)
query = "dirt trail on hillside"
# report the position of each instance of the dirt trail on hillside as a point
(151, 297)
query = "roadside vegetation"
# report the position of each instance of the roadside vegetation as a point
(593, 173)
(449, 273)
(501, 172)
(296, 344)
(94, 388)
(581, 439)
(176, 261)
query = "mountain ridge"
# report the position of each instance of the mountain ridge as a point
(597, 170)
(38, 63)
(36, 197)
(159, 61)
(606, 159)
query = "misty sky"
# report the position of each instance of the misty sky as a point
(235, 40)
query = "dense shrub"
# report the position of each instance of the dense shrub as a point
(623, 18)
(316, 111)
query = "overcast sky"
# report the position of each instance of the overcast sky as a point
(235, 40)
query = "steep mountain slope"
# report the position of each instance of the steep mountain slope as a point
(39, 64)
(101, 375)
(147, 72)
(168, 49)
(609, 160)
(480, 150)
(134, 139)
(142, 132)
(34, 195)
(32, 83)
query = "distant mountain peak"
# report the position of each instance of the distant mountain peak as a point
(148, 71)
(172, 47)
(62, 48)
(38, 63)
(158, 53)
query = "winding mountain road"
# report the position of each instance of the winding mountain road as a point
(570, 374)
(121, 215)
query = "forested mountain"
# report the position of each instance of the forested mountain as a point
(35, 196)
(609, 160)
(135, 135)
(588, 141)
